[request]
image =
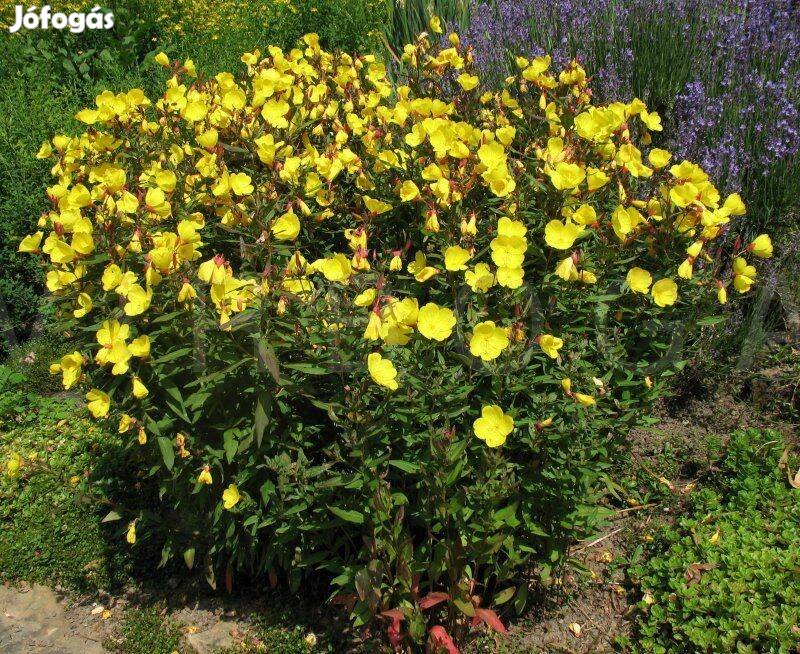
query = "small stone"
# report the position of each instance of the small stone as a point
(210, 640)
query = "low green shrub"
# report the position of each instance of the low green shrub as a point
(725, 577)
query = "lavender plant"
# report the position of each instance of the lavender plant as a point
(723, 74)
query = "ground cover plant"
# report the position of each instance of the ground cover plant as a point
(724, 576)
(47, 535)
(388, 330)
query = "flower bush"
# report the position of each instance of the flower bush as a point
(390, 331)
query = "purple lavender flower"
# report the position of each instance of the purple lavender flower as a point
(724, 76)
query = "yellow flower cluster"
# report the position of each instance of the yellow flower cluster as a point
(314, 171)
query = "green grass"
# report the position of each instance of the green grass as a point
(725, 576)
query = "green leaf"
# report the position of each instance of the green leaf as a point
(504, 595)
(171, 356)
(308, 368)
(465, 606)
(167, 452)
(267, 359)
(230, 443)
(405, 466)
(349, 516)
(261, 416)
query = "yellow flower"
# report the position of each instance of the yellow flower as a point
(550, 345)
(561, 236)
(287, 227)
(70, 369)
(162, 59)
(84, 305)
(365, 298)
(566, 176)
(658, 158)
(512, 228)
(435, 322)
(274, 112)
(130, 536)
(722, 294)
(665, 292)
(467, 81)
(139, 389)
(98, 403)
(510, 277)
(125, 423)
(240, 184)
(567, 270)
(376, 206)
(337, 268)
(596, 178)
(584, 215)
(494, 426)
(685, 269)
(13, 464)
(684, 194)
(138, 300)
(761, 246)
(733, 205)
(112, 277)
(31, 243)
(382, 371)
(187, 293)
(488, 341)
(585, 400)
(435, 23)
(455, 258)
(205, 476)
(140, 347)
(230, 497)
(420, 269)
(409, 191)
(744, 275)
(480, 279)
(373, 329)
(639, 280)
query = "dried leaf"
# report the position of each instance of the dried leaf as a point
(794, 482)
(695, 571)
